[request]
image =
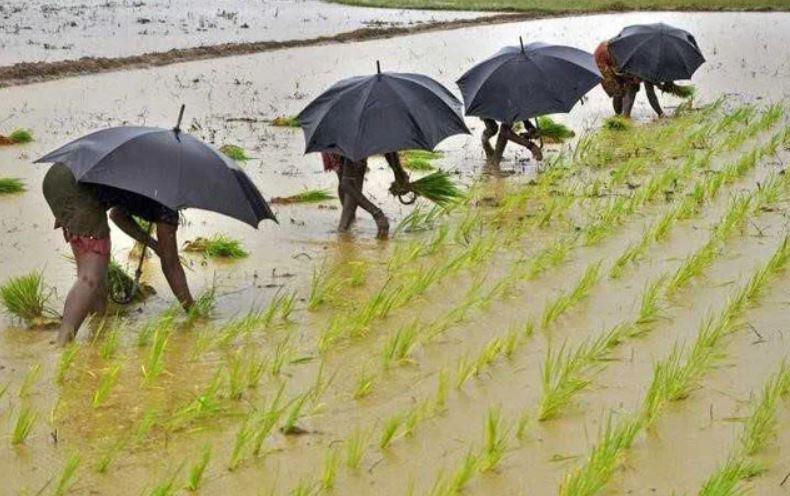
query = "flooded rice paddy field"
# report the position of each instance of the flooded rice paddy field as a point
(44, 30)
(483, 352)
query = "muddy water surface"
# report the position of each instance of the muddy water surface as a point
(748, 58)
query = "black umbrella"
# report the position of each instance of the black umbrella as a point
(656, 52)
(518, 83)
(167, 166)
(386, 112)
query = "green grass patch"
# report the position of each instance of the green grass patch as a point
(285, 121)
(11, 185)
(419, 160)
(306, 196)
(235, 152)
(218, 245)
(617, 123)
(17, 137)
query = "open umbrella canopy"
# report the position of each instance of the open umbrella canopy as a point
(657, 53)
(519, 83)
(167, 166)
(386, 112)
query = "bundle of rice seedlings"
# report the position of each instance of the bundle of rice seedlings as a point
(11, 185)
(235, 152)
(306, 196)
(617, 123)
(437, 187)
(552, 131)
(284, 121)
(681, 91)
(26, 298)
(218, 245)
(17, 137)
(419, 160)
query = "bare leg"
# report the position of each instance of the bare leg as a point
(628, 100)
(489, 132)
(523, 141)
(653, 99)
(354, 198)
(86, 295)
(501, 143)
(617, 103)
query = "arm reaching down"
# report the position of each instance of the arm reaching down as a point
(171, 264)
(653, 99)
(128, 225)
(401, 176)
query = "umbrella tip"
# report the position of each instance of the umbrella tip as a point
(521, 41)
(378, 67)
(180, 116)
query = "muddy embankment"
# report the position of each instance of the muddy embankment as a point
(32, 72)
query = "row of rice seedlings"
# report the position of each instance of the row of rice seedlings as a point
(10, 185)
(27, 298)
(155, 362)
(557, 307)
(306, 196)
(206, 404)
(770, 116)
(758, 428)
(673, 379)
(422, 218)
(218, 245)
(235, 152)
(107, 382)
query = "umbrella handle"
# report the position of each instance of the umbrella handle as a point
(409, 201)
(127, 298)
(180, 116)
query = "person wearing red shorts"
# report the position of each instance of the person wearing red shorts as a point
(622, 88)
(83, 219)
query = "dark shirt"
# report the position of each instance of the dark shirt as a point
(76, 207)
(135, 204)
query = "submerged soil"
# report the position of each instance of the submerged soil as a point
(229, 100)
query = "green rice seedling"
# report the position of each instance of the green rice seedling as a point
(461, 477)
(168, 486)
(421, 219)
(286, 121)
(510, 342)
(414, 416)
(761, 423)
(399, 346)
(650, 304)
(4, 390)
(269, 418)
(329, 470)
(26, 298)
(256, 367)
(66, 479)
(282, 355)
(436, 187)
(443, 385)
(418, 164)
(23, 426)
(162, 322)
(21, 136)
(107, 382)
(295, 413)
(356, 448)
(488, 354)
(236, 377)
(218, 245)
(30, 380)
(616, 123)
(679, 90)
(111, 333)
(197, 470)
(306, 196)
(390, 430)
(155, 363)
(495, 441)
(243, 438)
(560, 379)
(591, 477)
(323, 285)
(10, 185)
(553, 131)
(629, 256)
(305, 488)
(727, 478)
(364, 385)
(465, 369)
(108, 456)
(523, 425)
(235, 152)
(204, 304)
(421, 154)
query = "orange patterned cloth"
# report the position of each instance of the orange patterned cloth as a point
(613, 82)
